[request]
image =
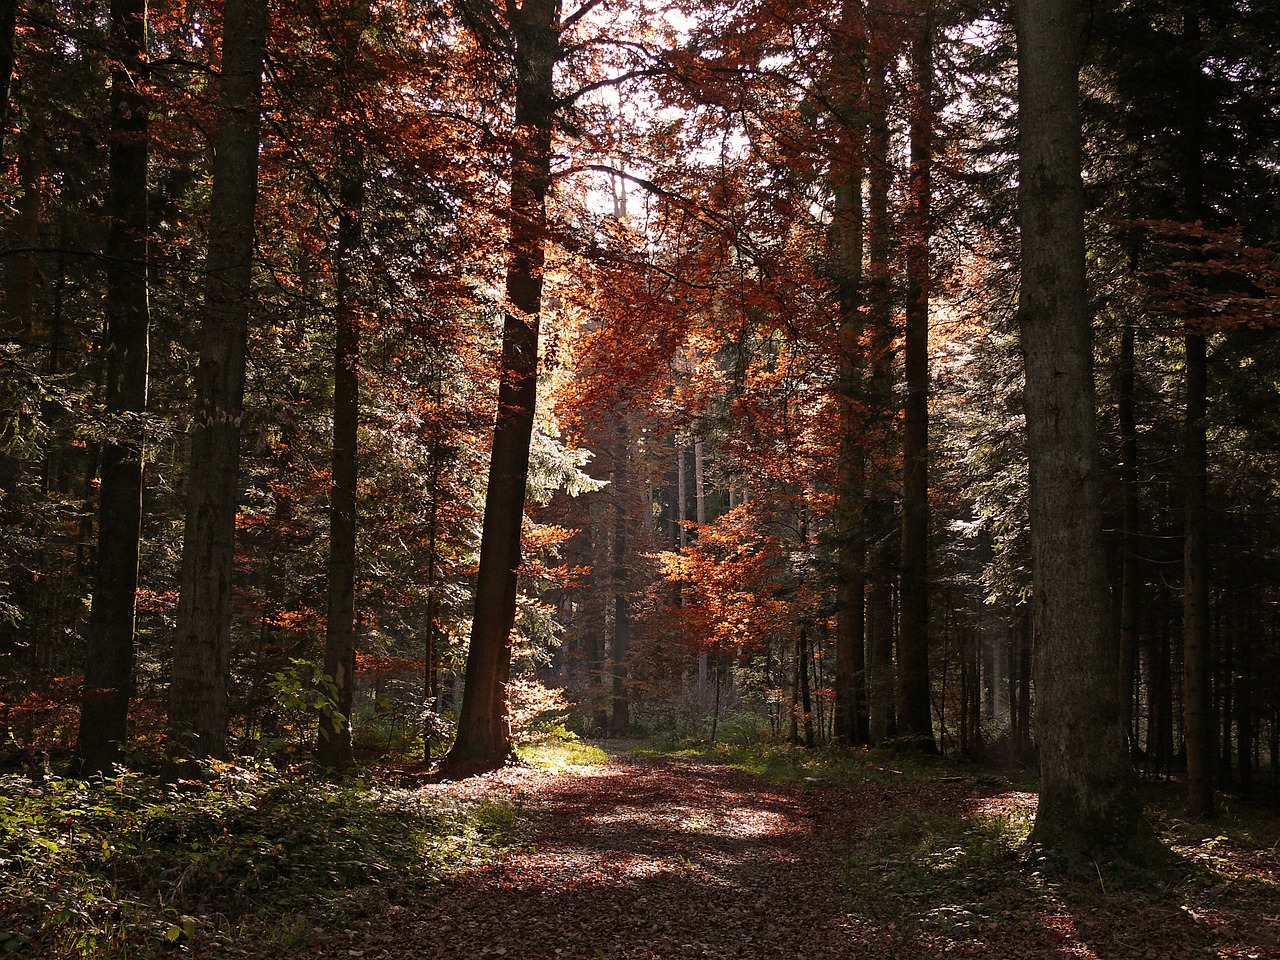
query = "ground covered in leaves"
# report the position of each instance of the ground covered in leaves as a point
(678, 857)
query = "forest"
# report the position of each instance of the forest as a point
(400, 389)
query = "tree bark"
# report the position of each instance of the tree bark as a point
(333, 743)
(1130, 584)
(202, 647)
(484, 729)
(1088, 799)
(851, 719)
(620, 718)
(1197, 708)
(1197, 711)
(108, 681)
(915, 718)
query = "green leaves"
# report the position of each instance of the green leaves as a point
(132, 865)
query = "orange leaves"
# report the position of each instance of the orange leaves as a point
(735, 585)
(1206, 278)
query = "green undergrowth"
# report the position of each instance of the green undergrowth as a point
(558, 750)
(789, 764)
(241, 862)
(925, 871)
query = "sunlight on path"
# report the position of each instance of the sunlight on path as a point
(638, 859)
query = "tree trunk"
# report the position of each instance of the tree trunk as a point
(915, 719)
(1130, 583)
(620, 719)
(851, 720)
(484, 729)
(1088, 798)
(108, 681)
(1197, 712)
(333, 744)
(202, 646)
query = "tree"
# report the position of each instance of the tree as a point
(108, 682)
(1088, 799)
(914, 716)
(202, 647)
(333, 744)
(484, 732)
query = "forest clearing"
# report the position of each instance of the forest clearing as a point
(645, 854)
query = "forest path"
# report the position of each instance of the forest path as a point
(672, 858)
(637, 858)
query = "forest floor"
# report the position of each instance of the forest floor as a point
(653, 856)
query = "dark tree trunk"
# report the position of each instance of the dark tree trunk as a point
(202, 646)
(108, 678)
(1130, 582)
(333, 744)
(484, 728)
(802, 680)
(1197, 710)
(1088, 798)
(915, 719)
(620, 718)
(851, 720)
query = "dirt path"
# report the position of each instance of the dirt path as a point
(634, 859)
(673, 859)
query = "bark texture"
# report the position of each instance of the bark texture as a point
(202, 647)
(1088, 800)
(108, 679)
(333, 743)
(484, 728)
(850, 709)
(914, 715)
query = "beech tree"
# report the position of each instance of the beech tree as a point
(532, 34)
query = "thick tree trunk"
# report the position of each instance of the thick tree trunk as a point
(333, 743)
(202, 647)
(915, 718)
(484, 729)
(108, 680)
(1088, 798)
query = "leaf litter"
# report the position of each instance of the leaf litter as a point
(672, 858)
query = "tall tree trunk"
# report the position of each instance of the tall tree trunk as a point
(1088, 797)
(851, 720)
(484, 729)
(1197, 711)
(620, 718)
(202, 646)
(915, 718)
(333, 744)
(1130, 583)
(108, 680)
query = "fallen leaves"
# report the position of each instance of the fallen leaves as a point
(669, 859)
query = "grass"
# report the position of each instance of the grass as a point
(130, 866)
(558, 750)
(787, 764)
